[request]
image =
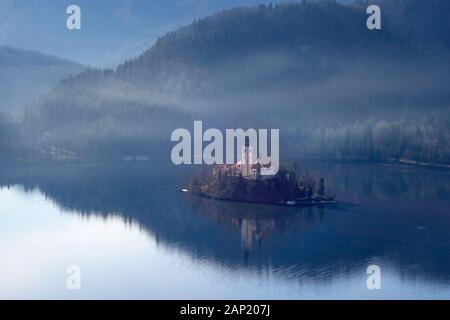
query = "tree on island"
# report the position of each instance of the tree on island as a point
(321, 188)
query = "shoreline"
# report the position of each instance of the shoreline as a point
(395, 163)
(281, 203)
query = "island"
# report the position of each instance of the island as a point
(244, 183)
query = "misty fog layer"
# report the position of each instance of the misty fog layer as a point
(26, 75)
(335, 89)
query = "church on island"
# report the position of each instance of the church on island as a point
(246, 168)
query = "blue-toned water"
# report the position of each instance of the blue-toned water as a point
(134, 236)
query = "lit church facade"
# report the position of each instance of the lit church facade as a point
(247, 167)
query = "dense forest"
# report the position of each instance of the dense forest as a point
(335, 89)
(424, 140)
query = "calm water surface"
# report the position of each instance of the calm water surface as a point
(134, 236)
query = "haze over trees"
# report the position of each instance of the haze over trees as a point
(335, 89)
(25, 75)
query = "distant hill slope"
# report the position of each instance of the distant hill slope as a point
(295, 42)
(312, 69)
(26, 75)
(323, 27)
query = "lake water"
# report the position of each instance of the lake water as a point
(134, 236)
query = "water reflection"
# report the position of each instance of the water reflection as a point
(257, 223)
(398, 218)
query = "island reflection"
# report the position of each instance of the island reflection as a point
(386, 218)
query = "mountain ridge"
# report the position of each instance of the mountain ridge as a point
(313, 67)
(26, 74)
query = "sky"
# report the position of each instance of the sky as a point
(112, 30)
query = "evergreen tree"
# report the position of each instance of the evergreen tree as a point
(321, 188)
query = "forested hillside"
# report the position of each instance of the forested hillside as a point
(26, 75)
(335, 89)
